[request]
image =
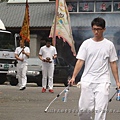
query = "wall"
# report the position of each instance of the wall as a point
(33, 45)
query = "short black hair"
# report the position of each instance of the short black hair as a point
(19, 37)
(98, 22)
(48, 40)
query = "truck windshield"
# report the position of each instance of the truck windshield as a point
(7, 42)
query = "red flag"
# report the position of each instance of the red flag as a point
(25, 32)
(61, 25)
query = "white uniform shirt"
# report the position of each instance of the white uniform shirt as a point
(22, 56)
(48, 52)
(97, 56)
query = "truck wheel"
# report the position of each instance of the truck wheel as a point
(3, 78)
(66, 83)
(39, 81)
(13, 81)
(39, 84)
(2, 81)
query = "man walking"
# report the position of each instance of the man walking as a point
(47, 54)
(97, 54)
(22, 53)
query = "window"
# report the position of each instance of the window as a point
(103, 6)
(86, 7)
(116, 6)
(72, 6)
(93, 5)
(7, 41)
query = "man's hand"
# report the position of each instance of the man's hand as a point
(54, 56)
(48, 60)
(71, 81)
(21, 59)
(23, 52)
(27, 54)
(44, 60)
(118, 85)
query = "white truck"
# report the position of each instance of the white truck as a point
(7, 47)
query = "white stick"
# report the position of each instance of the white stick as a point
(55, 99)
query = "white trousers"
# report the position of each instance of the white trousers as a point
(47, 72)
(21, 73)
(94, 98)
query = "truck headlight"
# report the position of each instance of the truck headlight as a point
(33, 72)
(11, 72)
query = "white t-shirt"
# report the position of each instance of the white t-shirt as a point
(18, 50)
(48, 52)
(97, 56)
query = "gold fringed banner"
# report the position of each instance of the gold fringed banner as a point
(25, 31)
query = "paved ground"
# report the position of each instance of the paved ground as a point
(31, 103)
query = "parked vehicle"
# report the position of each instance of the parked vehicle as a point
(7, 47)
(34, 73)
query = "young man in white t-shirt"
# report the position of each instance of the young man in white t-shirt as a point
(22, 53)
(47, 54)
(97, 54)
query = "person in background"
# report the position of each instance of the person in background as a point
(47, 54)
(97, 53)
(22, 53)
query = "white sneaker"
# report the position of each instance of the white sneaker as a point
(22, 88)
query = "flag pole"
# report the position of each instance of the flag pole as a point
(54, 33)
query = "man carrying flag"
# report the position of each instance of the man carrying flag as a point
(61, 25)
(22, 52)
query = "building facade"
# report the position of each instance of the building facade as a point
(82, 12)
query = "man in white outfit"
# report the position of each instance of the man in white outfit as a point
(47, 54)
(22, 53)
(97, 54)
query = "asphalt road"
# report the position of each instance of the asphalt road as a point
(31, 103)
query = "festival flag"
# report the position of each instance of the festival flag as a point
(25, 32)
(61, 26)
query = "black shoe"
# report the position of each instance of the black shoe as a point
(23, 88)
